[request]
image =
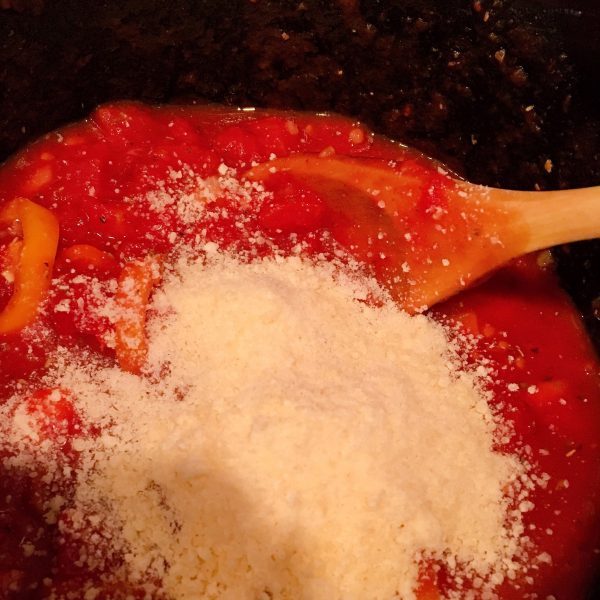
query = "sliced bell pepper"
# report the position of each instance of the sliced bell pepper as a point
(36, 259)
(134, 288)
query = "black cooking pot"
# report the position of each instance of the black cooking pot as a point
(506, 92)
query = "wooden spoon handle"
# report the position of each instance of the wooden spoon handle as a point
(553, 217)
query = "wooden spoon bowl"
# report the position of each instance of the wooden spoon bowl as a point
(435, 234)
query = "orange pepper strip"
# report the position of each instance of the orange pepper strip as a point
(36, 259)
(88, 255)
(134, 288)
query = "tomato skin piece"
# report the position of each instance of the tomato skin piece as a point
(88, 259)
(136, 282)
(428, 591)
(294, 208)
(428, 588)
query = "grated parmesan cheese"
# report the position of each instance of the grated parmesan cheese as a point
(288, 439)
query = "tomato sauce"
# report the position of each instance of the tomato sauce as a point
(92, 175)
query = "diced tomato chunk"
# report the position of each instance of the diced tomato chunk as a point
(54, 415)
(275, 135)
(127, 123)
(292, 208)
(236, 147)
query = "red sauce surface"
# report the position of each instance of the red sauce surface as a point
(87, 175)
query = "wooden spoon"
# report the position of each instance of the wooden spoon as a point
(430, 235)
